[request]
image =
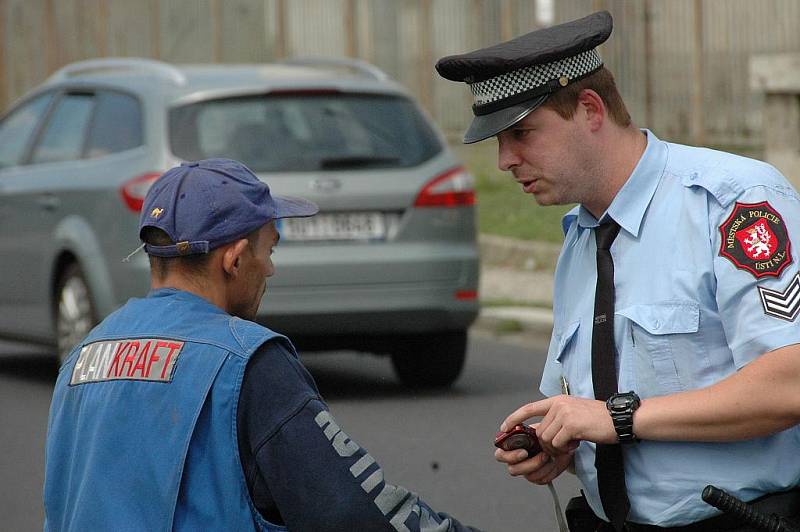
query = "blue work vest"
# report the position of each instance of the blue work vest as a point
(142, 432)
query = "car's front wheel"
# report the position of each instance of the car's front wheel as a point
(430, 360)
(75, 314)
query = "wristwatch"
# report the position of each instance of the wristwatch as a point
(621, 406)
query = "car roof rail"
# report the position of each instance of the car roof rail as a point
(355, 64)
(92, 66)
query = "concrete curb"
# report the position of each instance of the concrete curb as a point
(518, 274)
(506, 320)
(522, 255)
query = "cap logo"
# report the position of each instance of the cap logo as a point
(155, 213)
(182, 247)
(563, 81)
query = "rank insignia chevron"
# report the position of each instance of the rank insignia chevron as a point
(784, 305)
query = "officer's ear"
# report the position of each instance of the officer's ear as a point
(232, 256)
(591, 108)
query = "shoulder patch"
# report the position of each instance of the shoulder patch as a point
(755, 239)
(782, 304)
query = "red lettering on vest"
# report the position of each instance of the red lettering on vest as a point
(130, 357)
(154, 356)
(115, 364)
(140, 361)
(172, 348)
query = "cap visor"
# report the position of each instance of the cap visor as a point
(485, 126)
(289, 207)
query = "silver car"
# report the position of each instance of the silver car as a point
(390, 265)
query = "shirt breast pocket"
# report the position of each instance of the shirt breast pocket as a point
(564, 340)
(570, 366)
(661, 339)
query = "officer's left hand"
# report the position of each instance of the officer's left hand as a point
(539, 469)
(566, 421)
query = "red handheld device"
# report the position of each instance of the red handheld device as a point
(520, 437)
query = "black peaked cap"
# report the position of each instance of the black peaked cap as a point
(540, 46)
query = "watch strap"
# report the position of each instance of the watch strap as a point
(622, 415)
(623, 424)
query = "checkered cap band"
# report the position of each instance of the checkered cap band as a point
(529, 78)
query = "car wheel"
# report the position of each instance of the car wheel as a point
(430, 360)
(75, 314)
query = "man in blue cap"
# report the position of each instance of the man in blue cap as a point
(178, 412)
(675, 359)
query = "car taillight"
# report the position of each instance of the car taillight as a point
(454, 188)
(466, 295)
(134, 190)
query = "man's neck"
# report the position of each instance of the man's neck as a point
(200, 287)
(623, 150)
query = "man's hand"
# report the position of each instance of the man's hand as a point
(566, 421)
(539, 469)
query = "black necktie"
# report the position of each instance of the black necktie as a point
(608, 458)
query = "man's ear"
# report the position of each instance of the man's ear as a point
(231, 257)
(591, 108)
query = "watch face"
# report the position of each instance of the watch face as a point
(620, 401)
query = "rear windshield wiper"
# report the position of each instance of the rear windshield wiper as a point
(356, 161)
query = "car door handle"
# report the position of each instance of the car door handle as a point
(48, 202)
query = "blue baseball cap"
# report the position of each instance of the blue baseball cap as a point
(206, 204)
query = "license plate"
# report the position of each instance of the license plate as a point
(338, 226)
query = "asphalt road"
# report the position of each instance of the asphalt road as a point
(437, 444)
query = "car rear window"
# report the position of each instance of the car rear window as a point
(116, 126)
(65, 130)
(17, 128)
(305, 132)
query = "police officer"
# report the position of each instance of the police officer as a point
(178, 412)
(674, 361)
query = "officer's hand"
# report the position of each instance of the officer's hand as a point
(539, 469)
(566, 421)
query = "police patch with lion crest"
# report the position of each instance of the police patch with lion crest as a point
(755, 239)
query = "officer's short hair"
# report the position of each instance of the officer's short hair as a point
(565, 101)
(196, 265)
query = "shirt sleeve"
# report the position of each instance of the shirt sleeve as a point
(315, 475)
(756, 269)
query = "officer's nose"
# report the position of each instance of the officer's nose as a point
(507, 158)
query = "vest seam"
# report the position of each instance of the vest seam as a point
(240, 338)
(185, 453)
(243, 484)
(233, 330)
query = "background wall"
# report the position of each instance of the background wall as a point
(682, 65)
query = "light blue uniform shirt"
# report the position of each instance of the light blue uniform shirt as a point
(685, 317)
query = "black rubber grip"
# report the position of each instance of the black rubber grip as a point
(744, 512)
